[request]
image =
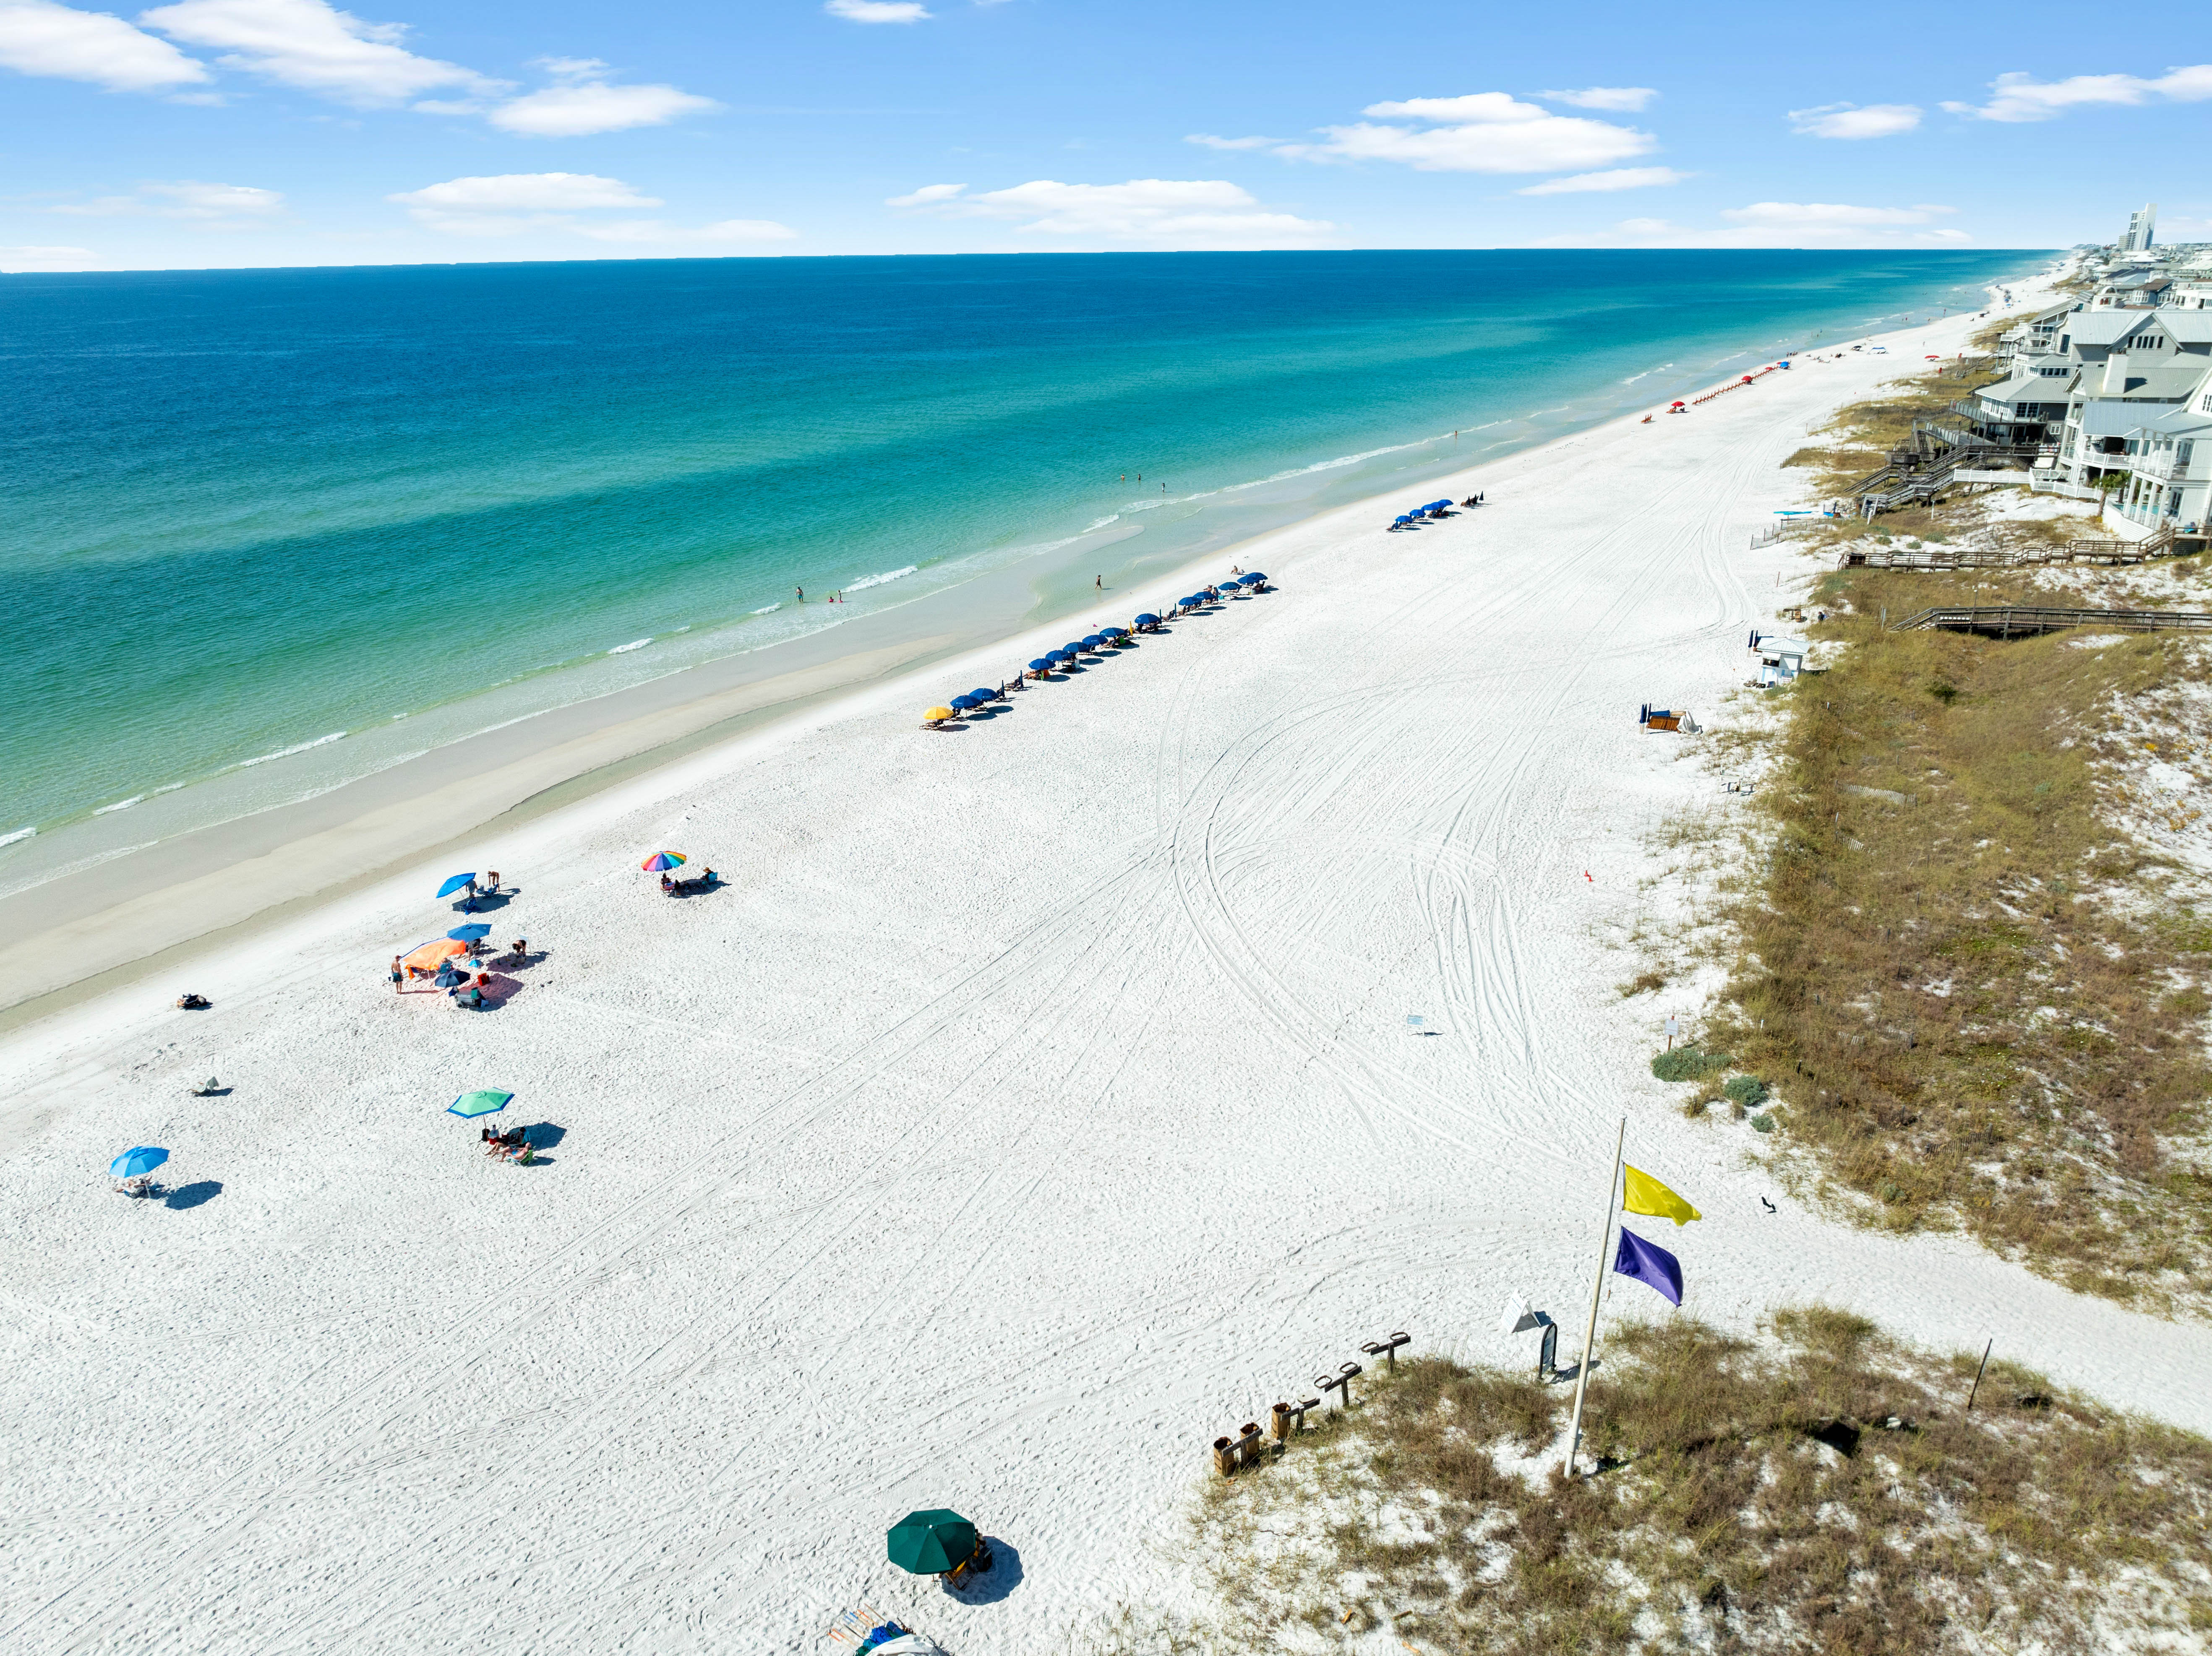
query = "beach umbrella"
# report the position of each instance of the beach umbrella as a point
(454, 884)
(1093, 641)
(1074, 648)
(661, 861)
(1114, 632)
(144, 1158)
(469, 933)
(1148, 619)
(449, 975)
(931, 1543)
(938, 715)
(489, 1101)
(1041, 665)
(963, 703)
(984, 696)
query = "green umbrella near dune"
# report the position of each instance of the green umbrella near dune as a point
(932, 1543)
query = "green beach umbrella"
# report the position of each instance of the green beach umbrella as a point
(932, 1543)
(490, 1101)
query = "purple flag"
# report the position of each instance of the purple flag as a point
(1653, 1267)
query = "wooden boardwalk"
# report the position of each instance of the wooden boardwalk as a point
(2021, 621)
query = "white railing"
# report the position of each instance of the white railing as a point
(2046, 483)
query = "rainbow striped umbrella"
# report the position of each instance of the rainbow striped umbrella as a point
(661, 861)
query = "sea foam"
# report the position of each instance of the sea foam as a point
(878, 580)
(19, 834)
(624, 649)
(286, 753)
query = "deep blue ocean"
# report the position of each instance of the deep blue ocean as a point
(250, 510)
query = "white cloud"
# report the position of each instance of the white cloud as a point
(1481, 132)
(1783, 224)
(44, 258)
(1214, 142)
(1828, 215)
(2018, 97)
(1620, 178)
(38, 37)
(316, 47)
(875, 11)
(511, 203)
(227, 204)
(727, 232)
(1187, 212)
(1854, 120)
(1625, 98)
(540, 192)
(190, 198)
(579, 110)
(928, 195)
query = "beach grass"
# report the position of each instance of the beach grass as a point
(1818, 1488)
(1976, 992)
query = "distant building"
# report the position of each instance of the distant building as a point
(2142, 224)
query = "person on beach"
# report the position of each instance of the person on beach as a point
(397, 976)
(520, 948)
(1098, 581)
(802, 593)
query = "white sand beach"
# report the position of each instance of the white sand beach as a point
(1036, 1101)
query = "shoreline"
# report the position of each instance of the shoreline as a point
(222, 883)
(1035, 1104)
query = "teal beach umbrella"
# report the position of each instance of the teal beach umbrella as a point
(931, 1543)
(490, 1101)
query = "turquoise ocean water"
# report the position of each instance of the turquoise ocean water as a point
(293, 525)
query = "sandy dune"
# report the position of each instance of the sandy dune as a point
(1037, 1102)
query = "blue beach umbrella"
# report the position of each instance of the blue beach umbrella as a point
(962, 702)
(1091, 641)
(1073, 648)
(489, 1101)
(1041, 665)
(1114, 632)
(136, 1161)
(454, 884)
(984, 696)
(469, 933)
(1148, 619)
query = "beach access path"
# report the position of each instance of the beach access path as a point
(1037, 1102)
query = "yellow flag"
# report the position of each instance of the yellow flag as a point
(1647, 1195)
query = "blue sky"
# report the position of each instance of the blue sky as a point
(204, 133)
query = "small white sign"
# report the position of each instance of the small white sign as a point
(1674, 1027)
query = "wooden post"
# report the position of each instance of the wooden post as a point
(1224, 1456)
(1279, 1421)
(1339, 1382)
(1978, 1374)
(1247, 1444)
(1388, 1349)
(1597, 1288)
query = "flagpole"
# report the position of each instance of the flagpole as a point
(1597, 1288)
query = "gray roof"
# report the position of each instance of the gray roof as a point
(2187, 421)
(2146, 382)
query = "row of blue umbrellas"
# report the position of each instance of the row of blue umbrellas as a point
(1433, 509)
(1068, 653)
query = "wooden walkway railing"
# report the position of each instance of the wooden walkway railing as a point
(2020, 620)
(2165, 543)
